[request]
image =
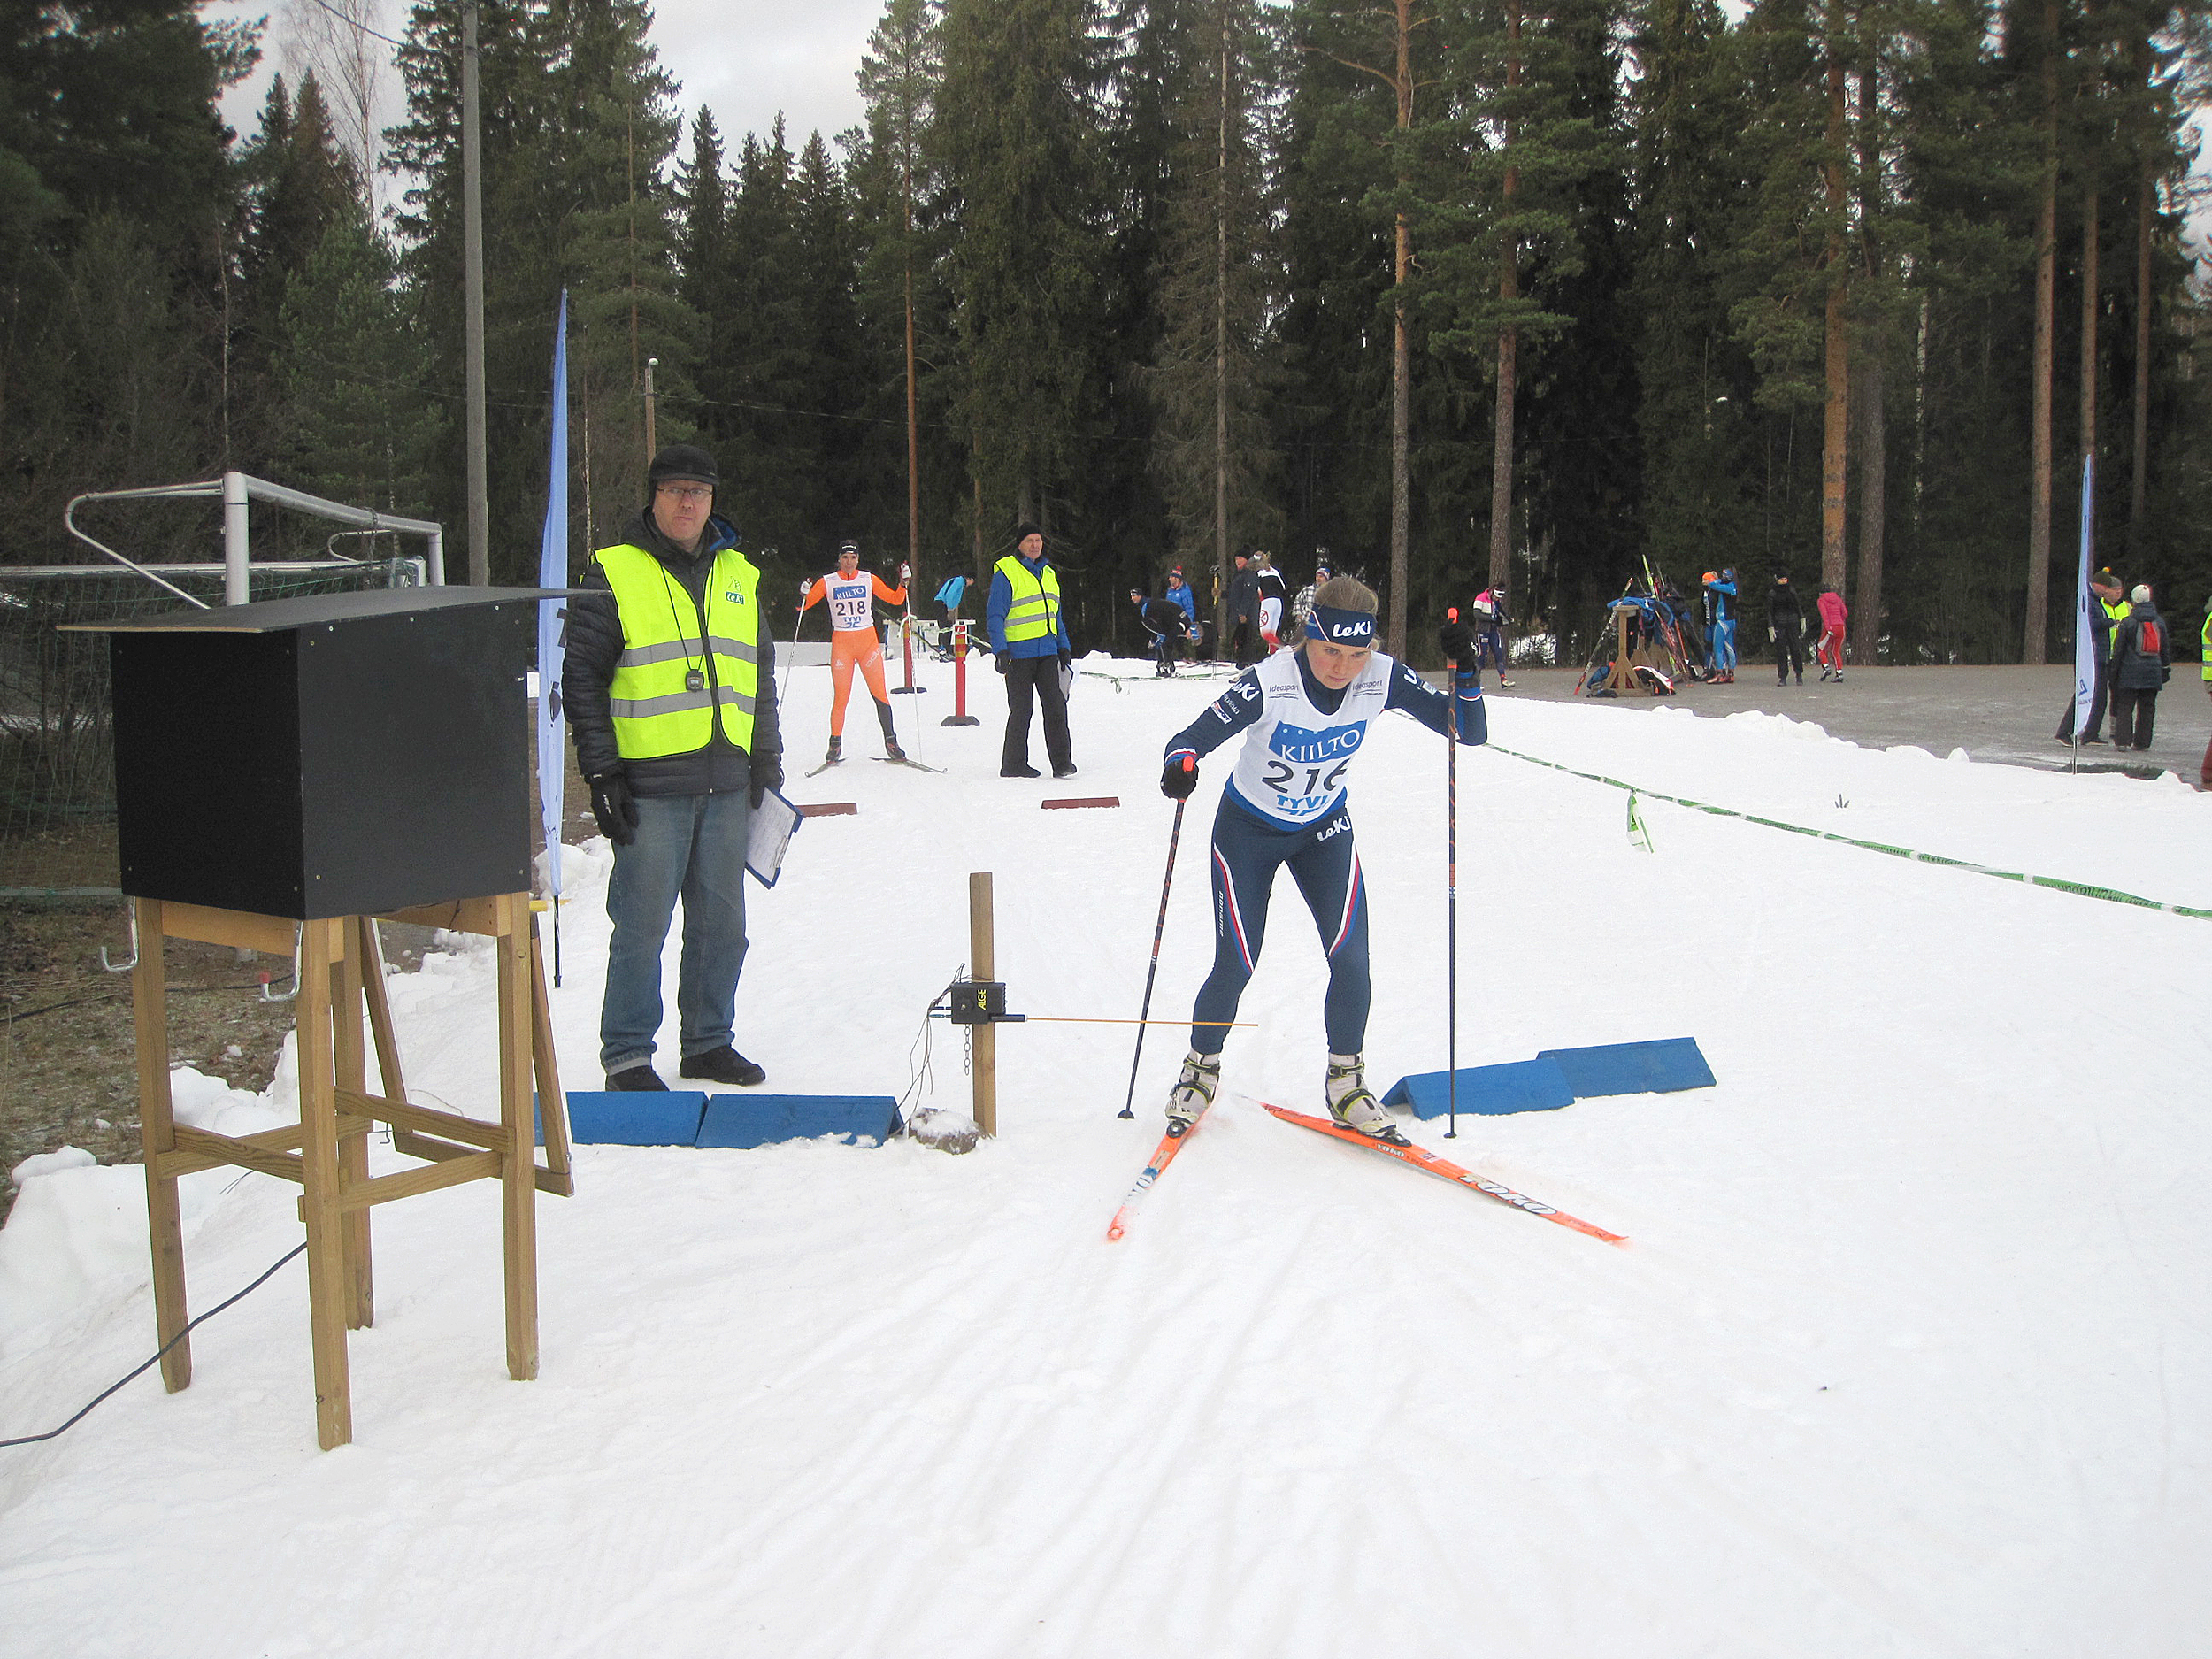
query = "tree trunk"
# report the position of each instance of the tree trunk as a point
(1835, 444)
(2138, 484)
(1402, 356)
(2089, 233)
(1866, 607)
(1509, 341)
(1221, 320)
(2037, 622)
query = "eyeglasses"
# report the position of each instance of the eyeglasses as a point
(690, 495)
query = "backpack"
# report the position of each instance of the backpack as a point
(2148, 639)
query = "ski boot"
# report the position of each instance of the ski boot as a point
(1194, 1091)
(1351, 1105)
(891, 750)
(836, 752)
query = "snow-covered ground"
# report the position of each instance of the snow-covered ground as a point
(1911, 1354)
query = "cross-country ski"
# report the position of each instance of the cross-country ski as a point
(1422, 1158)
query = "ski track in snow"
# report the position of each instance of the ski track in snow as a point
(1910, 1354)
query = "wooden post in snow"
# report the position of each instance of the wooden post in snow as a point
(982, 964)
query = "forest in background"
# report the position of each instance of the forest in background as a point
(1547, 291)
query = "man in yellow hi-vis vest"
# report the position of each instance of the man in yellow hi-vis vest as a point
(1029, 640)
(670, 686)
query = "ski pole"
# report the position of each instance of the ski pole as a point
(1451, 902)
(1174, 838)
(806, 587)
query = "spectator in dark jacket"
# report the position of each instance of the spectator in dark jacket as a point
(1785, 625)
(670, 688)
(2142, 659)
(1244, 612)
(1167, 623)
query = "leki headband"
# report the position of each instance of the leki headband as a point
(1342, 627)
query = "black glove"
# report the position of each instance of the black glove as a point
(1001, 661)
(1066, 656)
(612, 805)
(1458, 640)
(1179, 777)
(767, 774)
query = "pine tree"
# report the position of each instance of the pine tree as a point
(1210, 449)
(351, 374)
(1019, 140)
(898, 80)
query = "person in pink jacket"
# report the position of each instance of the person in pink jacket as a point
(1829, 652)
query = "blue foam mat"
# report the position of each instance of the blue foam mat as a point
(1658, 1067)
(1559, 1076)
(759, 1120)
(643, 1117)
(1518, 1086)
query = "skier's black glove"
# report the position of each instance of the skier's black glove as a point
(1458, 641)
(1179, 777)
(612, 805)
(767, 774)
(999, 660)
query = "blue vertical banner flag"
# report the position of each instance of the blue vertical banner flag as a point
(553, 573)
(2085, 635)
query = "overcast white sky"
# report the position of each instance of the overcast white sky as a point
(745, 59)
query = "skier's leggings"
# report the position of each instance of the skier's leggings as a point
(1724, 649)
(1247, 853)
(851, 648)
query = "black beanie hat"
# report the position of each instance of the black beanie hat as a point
(685, 461)
(1024, 530)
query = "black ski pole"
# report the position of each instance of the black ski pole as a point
(1174, 839)
(1451, 901)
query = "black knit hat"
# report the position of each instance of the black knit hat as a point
(685, 461)
(1024, 530)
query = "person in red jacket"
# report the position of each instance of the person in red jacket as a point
(1834, 614)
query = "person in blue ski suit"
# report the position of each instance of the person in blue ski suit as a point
(1304, 714)
(1720, 626)
(1178, 590)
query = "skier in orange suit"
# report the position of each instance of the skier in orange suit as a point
(851, 592)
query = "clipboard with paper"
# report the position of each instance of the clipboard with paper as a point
(775, 821)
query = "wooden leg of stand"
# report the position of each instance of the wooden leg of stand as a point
(379, 1010)
(158, 1134)
(349, 1058)
(327, 1297)
(518, 1186)
(552, 1104)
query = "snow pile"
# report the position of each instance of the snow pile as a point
(1910, 1356)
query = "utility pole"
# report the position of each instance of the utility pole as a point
(652, 445)
(479, 516)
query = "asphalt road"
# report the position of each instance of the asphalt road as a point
(2004, 714)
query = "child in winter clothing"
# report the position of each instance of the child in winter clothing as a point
(1834, 614)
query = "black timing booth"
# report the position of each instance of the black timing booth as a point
(287, 774)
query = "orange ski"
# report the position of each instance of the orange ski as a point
(1421, 1158)
(1163, 1156)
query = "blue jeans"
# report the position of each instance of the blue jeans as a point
(688, 845)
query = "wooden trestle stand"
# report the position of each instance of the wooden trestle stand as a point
(341, 976)
(287, 773)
